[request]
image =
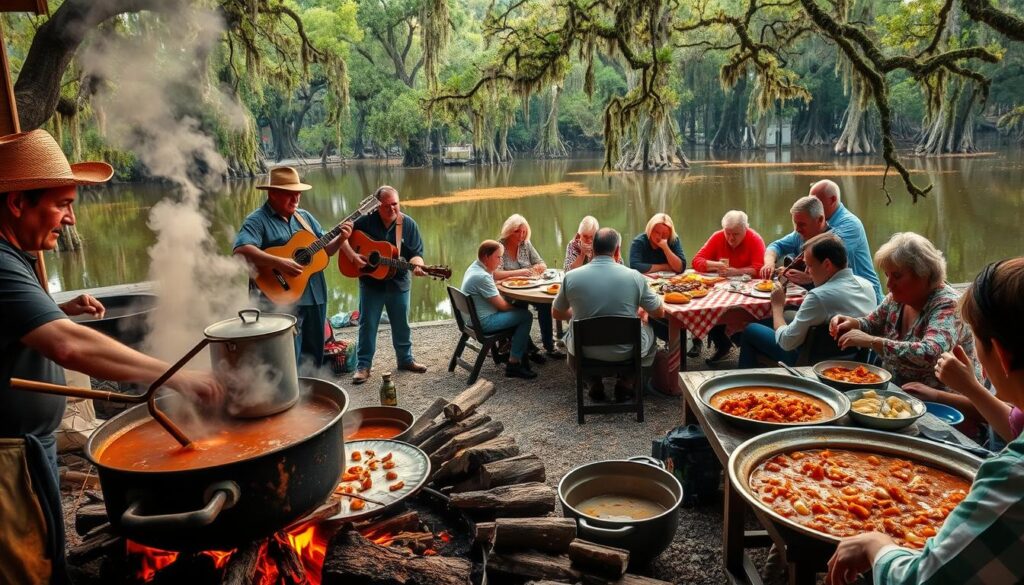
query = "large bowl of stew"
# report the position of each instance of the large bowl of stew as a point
(832, 482)
(766, 402)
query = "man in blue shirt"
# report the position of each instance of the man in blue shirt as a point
(392, 294)
(274, 224)
(844, 224)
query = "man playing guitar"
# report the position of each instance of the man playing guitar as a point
(388, 224)
(274, 224)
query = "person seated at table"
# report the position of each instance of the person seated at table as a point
(494, 312)
(916, 323)
(734, 250)
(981, 539)
(623, 292)
(808, 221)
(580, 250)
(849, 228)
(521, 260)
(658, 249)
(837, 290)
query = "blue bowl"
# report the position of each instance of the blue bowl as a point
(944, 412)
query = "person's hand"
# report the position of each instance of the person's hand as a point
(586, 249)
(853, 556)
(840, 324)
(798, 277)
(640, 312)
(202, 386)
(855, 338)
(922, 391)
(766, 271)
(288, 267)
(778, 297)
(346, 230)
(663, 244)
(84, 305)
(358, 260)
(418, 270)
(956, 371)
(536, 270)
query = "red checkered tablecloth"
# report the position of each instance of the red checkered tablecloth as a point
(700, 315)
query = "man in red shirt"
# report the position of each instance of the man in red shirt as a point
(734, 250)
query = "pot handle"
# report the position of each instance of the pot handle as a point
(219, 496)
(243, 312)
(648, 460)
(606, 532)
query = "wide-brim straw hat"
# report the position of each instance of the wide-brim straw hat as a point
(34, 160)
(285, 179)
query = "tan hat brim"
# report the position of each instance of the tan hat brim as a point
(91, 173)
(289, 187)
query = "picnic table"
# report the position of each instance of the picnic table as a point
(535, 294)
(805, 556)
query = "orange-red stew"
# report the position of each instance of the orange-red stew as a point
(768, 404)
(376, 429)
(858, 375)
(844, 493)
(148, 447)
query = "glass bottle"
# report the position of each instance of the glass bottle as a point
(388, 392)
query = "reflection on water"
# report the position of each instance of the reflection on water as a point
(973, 214)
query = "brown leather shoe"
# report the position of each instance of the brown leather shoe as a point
(413, 367)
(361, 376)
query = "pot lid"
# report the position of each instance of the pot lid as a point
(250, 323)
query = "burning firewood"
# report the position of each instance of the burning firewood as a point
(351, 558)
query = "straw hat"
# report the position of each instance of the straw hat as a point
(34, 160)
(286, 179)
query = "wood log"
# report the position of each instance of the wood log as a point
(70, 478)
(484, 533)
(100, 543)
(627, 579)
(520, 469)
(549, 534)
(468, 400)
(534, 565)
(526, 499)
(353, 560)
(89, 516)
(94, 497)
(597, 558)
(426, 417)
(325, 511)
(241, 567)
(404, 522)
(289, 565)
(472, 437)
(471, 458)
(451, 429)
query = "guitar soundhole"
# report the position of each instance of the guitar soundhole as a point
(372, 261)
(302, 256)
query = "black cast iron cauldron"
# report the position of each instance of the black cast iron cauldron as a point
(224, 506)
(125, 317)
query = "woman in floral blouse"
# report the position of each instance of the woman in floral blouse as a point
(916, 322)
(521, 260)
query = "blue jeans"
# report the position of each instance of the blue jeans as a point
(545, 322)
(758, 338)
(521, 319)
(309, 343)
(371, 303)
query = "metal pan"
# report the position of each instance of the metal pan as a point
(820, 367)
(411, 464)
(834, 398)
(751, 453)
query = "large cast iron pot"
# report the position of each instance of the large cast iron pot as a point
(125, 317)
(643, 477)
(223, 506)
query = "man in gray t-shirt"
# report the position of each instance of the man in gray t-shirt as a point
(603, 288)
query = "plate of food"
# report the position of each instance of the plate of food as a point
(514, 283)
(553, 289)
(677, 298)
(770, 401)
(764, 286)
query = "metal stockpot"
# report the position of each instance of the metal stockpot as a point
(254, 357)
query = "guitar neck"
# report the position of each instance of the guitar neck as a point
(322, 242)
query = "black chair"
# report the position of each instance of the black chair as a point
(607, 331)
(488, 342)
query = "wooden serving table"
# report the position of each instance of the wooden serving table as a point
(805, 556)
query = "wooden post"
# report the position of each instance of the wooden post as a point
(9, 123)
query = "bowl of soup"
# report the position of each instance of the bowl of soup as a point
(378, 422)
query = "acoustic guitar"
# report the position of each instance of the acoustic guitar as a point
(382, 260)
(308, 251)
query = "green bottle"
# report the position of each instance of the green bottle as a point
(388, 392)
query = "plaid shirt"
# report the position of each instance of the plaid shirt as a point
(982, 540)
(912, 357)
(574, 250)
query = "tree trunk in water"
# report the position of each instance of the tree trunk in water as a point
(730, 129)
(550, 144)
(651, 145)
(415, 153)
(952, 129)
(68, 239)
(811, 129)
(854, 138)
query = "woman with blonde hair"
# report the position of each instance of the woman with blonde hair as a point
(580, 249)
(521, 260)
(658, 248)
(982, 539)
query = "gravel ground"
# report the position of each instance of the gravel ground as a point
(541, 415)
